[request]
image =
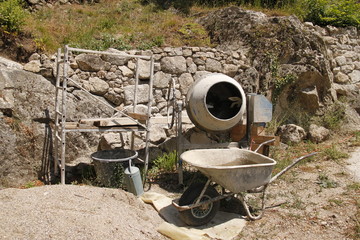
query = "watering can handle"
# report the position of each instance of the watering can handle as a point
(263, 143)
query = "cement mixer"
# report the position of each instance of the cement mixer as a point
(215, 102)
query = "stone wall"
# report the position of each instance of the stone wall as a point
(113, 77)
(38, 4)
(343, 49)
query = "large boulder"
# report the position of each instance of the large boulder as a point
(291, 133)
(26, 116)
(282, 52)
(318, 134)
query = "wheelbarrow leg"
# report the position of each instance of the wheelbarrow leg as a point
(246, 207)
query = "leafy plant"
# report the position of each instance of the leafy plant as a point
(325, 182)
(12, 15)
(339, 13)
(166, 162)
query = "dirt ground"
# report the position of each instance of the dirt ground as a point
(316, 200)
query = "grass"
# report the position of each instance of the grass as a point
(120, 24)
(332, 153)
(164, 163)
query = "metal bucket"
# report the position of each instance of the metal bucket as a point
(216, 102)
(110, 164)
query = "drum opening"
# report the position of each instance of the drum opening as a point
(223, 100)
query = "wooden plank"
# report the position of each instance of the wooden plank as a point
(163, 120)
(107, 122)
(138, 116)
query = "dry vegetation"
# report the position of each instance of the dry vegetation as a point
(120, 24)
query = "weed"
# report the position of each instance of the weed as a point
(325, 182)
(336, 201)
(31, 184)
(354, 186)
(166, 162)
(355, 142)
(333, 117)
(163, 164)
(332, 153)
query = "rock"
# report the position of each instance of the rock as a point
(142, 109)
(341, 78)
(199, 74)
(157, 134)
(144, 69)
(70, 71)
(291, 133)
(10, 64)
(340, 60)
(34, 56)
(98, 86)
(90, 62)
(318, 134)
(126, 72)
(230, 70)
(212, 65)
(200, 138)
(355, 76)
(310, 97)
(116, 60)
(110, 141)
(33, 66)
(161, 80)
(142, 93)
(173, 65)
(185, 81)
(114, 97)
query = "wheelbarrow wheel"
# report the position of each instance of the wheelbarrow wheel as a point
(199, 215)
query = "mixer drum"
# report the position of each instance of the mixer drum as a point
(215, 102)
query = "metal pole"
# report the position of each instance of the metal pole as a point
(147, 143)
(180, 143)
(63, 118)
(108, 53)
(57, 112)
(135, 100)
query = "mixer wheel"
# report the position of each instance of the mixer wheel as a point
(199, 215)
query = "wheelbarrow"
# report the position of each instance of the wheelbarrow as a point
(236, 170)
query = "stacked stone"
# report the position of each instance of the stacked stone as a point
(343, 49)
(35, 5)
(113, 77)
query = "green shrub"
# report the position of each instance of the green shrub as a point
(340, 13)
(166, 162)
(12, 15)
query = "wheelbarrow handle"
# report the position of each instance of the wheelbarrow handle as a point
(291, 165)
(263, 143)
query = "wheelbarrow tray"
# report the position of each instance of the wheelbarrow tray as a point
(237, 170)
